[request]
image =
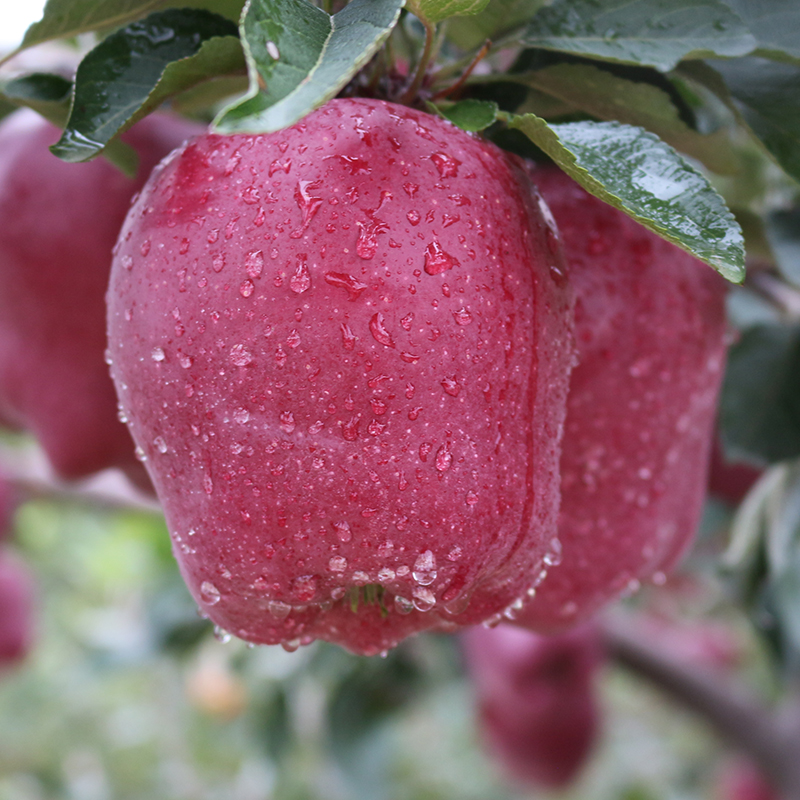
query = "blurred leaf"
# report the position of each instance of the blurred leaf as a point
(371, 692)
(764, 558)
(783, 234)
(606, 96)
(774, 24)
(274, 726)
(133, 70)
(436, 10)
(636, 172)
(768, 94)
(471, 31)
(760, 404)
(657, 33)
(299, 57)
(470, 115)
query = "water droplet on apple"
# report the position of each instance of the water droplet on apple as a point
(157, 354)
(337, 564)
(246, 289)
(413, 217)
(301, 280)
(436, 260)
(254, 263)
(424, 599)
(279, 609)
(218, 262)
(348, 337)
(462, 316)
(160, 444)
(127, 262)
(378, 330)
(240, 355)
(451, 386)
(343, 530)
(446, 164)
(208, 484)
(342, 280)
(209, 593)
(444, 458)
(403, 605)
(287, 422)
(424, 571)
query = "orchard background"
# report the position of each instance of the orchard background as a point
(684, 114)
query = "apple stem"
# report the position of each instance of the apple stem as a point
(410, 94)
(479, 56)
(772, 741)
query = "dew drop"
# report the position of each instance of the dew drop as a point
(246, 289)
(209, 593)
(436, 260)
(424, 599)
(160, 444)
(240, 355)
(254, 263)
(424, 571)
(462, 316)
(451, 386)
(343, 530)
(348, 337)
(288, 423)
(241, 415)
(218, 262)
(127, 262)
(446, 164)
(444, 458)
(157, 354)
(301, 280)
(378, 330)
(337, 564)
(342, 280)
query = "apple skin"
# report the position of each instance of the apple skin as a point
(536, 699)
(60, 223)
(16, 610)
(650, 332)
(344, 349)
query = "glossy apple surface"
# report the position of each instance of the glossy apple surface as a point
(344, 349)
(536, 699)
(16, 610)
(58, 226)
(649, 328)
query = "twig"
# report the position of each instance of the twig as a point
(771, 741)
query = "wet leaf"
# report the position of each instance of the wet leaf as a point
(133, 70)
(657, 33)
(302, 57)
(636, 172)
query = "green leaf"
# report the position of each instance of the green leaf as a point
(636, 172)
(303, 57)
(656, 33)
(768, 96)
(470, 115)
(63, 19)
(436, 10)
(606, 96)
(133, 70)
(760, 405)
(496, 19)
(775, 24)
(49, 95)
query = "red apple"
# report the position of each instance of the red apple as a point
(730, 480)
(16, 610)
(649, 327)
(60, 222)
(741, 780)
(344, 349)
(536, 699)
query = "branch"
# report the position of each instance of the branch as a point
(771, 741)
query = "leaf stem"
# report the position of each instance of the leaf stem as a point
(479, 56)
(413, 88)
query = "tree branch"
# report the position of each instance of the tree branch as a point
(772, 741)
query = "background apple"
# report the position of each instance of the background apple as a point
(16, 610)
(344, 350)
(536, 699)
(60, 222)
(649, 327)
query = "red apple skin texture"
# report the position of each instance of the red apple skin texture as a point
(344, 349)
(16, 610)
(650, 330)
(59, 224)
(536, 699)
